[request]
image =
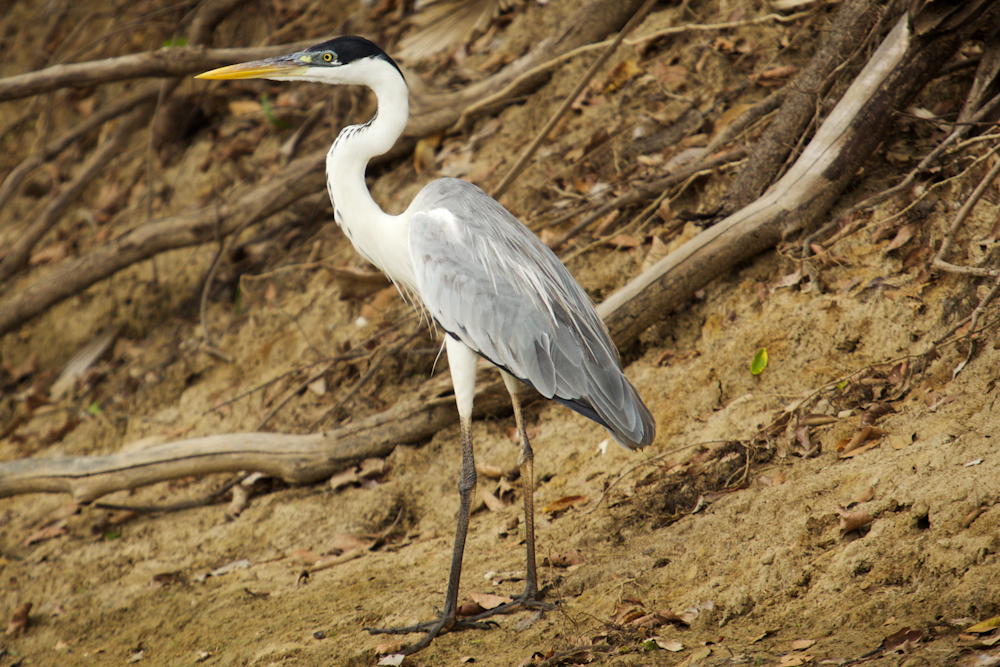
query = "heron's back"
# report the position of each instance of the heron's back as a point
(491, 283)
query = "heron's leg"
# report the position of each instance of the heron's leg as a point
(462, 362)
(526, 463)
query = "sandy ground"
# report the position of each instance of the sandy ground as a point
(724, 526)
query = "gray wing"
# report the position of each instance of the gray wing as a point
(488, 281)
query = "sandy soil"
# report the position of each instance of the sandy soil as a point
(722, 526)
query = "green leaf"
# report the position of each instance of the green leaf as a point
(265, 105)
(94, 409)
(175, 41)
(759, 362)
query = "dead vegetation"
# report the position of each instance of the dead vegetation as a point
(817, 181)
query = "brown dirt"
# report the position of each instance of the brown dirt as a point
(686, 525)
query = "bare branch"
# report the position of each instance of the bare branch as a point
(18, 255)
(70, 276)
(168, 62)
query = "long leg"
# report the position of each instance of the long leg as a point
(462, 362)
(526, 463)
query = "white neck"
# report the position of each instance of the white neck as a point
(381, 238)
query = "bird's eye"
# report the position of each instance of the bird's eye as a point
(328, 57)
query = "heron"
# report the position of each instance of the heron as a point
(486, 281)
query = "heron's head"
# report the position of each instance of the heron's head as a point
(342, 60)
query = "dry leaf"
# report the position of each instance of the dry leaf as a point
(850, 521)
(565, 559)
(343, 542)
(19, 619)
(345, 478)
(622, 73)
(493, 503)
(672, 77)
(238, 503)
(904, 640)
(864, 495)
(49, 254)
(563, 504)
(667, 645)
(47, 533)
(985, 626)
(903, 236)
(244, 107)
(490, 470)
(489, 600)
(802, 644)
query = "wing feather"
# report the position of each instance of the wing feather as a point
(489, 282)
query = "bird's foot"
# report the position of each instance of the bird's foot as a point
(527, 600)
(445, 623)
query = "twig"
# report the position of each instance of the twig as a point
(929, 160)
(374, 366)
(167, 62)
(53, 148)
(18, 255)
(747, 118)
(966, 209)
(518, 167)
(207, 499)
(508, 91)
(647, 190)
(179, 231)
(294, 392)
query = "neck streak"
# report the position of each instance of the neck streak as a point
(381, 238)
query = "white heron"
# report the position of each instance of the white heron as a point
(485, 279)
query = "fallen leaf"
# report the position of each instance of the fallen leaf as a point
(344, 542)
(345, 478)
(238, 503)
(794, 660)
(49, 254)
(666, 645)
(864, 495)
(672, 77)
(47, 533)
(622, 73)
(493, 503)
(985, 626)
(489, 600)
(850, 521)
(489, 470)
(802, 644)
(903, 236)
(244, 107)
(563, 504)
(566, 559)
(904, 640)
(667, 617)
(19, 619)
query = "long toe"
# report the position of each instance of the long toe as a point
(432, 629)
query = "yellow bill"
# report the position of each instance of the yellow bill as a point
(259, 69)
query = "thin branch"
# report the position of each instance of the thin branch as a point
(522, 161)
(166, 62)
(57, 146)
(374, 366)
(966, 209)
(179, 231)
(18, 255)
